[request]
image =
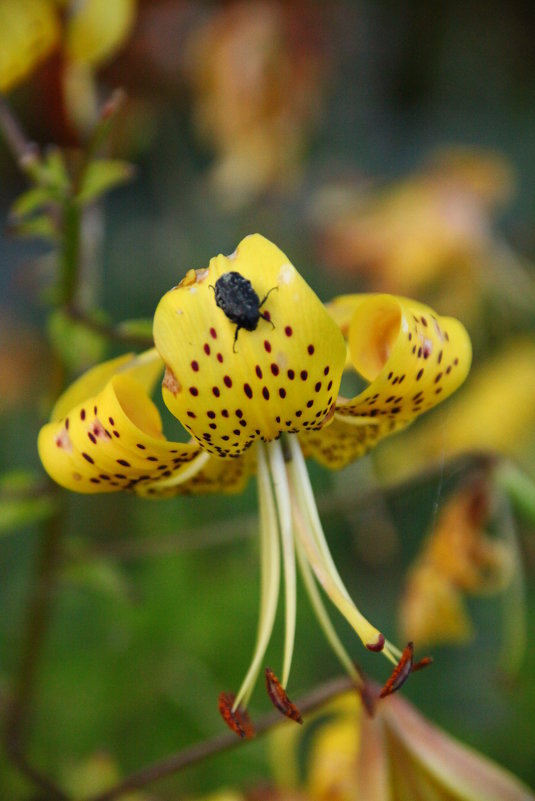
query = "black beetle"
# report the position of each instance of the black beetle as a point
(235, 295)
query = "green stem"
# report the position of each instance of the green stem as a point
(70, 252)
(519, 488)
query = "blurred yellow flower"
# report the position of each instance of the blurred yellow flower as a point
(29, 31)
(434, 224)
(84, 34)
(258, 78)
(394, 755)
(88, 32)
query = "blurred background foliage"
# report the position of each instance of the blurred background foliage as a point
(383, 146)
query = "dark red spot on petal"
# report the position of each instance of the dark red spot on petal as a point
(194, 391)
(288, 331)
(265, 392)
(310, 350)
(267, 346)
(213, 333)
(227, 381)
(206, 348)
(195, 365)
(248, 391)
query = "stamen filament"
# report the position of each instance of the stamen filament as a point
(307, 501)
(269, 578)
(310, 531)
(284, 509)
(322, 616)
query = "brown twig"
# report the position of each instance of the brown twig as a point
(111, 332)
(220, 743)
(22, 148)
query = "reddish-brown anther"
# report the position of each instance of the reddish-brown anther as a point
(403, 669)
(422, 663)
(401, 672)
(236, 719)
(279, 697)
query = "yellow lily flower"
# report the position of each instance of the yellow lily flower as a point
(253, 363)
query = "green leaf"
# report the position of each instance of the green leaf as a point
(101, 176)
(519, 487)
(41, 227)
(53, 171)
(23, 500)
(78, 345)
(30, 201)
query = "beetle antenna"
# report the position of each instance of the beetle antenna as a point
(265, 298)
(236, 338)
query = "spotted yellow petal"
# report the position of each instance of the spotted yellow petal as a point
(29, 30)
(229, 387)
(476, 420)
(413, 359)
(95, 29)
(113, 441)
(145, 368)
(214, 475)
